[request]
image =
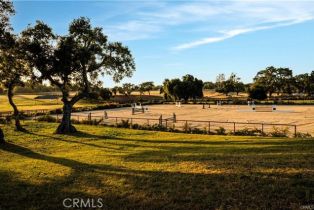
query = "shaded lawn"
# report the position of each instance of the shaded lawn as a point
(132, 169)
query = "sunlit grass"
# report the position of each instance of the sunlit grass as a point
(28, 102)
(134, 169)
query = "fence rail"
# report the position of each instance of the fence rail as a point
(184, 125)
(209, 126)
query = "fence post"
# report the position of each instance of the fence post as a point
(166, 123)
(234, 127)
(186, 126)
(209, 127)
(295, 131)
(262, 128)
(116, 121)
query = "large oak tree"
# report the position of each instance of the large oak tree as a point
(75, 60)
(6, 10)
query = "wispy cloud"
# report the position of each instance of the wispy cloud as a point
(227, 18)
(235, 32)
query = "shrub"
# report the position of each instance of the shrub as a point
(136, 126)
(88, 122)
(8, 119)
(56, 111)
(303, 135)
(221, 131)
(158, 127)
(46, 118)
(4, 121)
(123, 124)
(248, 132)
(280, 132)
(198, 131)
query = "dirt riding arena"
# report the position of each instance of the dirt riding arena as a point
(302, 116)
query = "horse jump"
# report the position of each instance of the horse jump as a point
(204, 104)
(264, 108)
(138, 108)
(173, 119)
(178, 103)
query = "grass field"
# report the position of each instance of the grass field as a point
(132, 169)
(28, 102)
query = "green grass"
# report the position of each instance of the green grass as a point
(132, 169)
(28, 102)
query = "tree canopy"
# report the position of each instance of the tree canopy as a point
(187, 88)
(232, 84)
(75, 60)
(146, 87)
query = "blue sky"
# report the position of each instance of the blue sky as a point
(204, 38)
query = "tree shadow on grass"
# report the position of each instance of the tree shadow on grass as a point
(127, 188)
(85, 136)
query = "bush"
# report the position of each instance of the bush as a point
(198, 131)
(88, 122)
(124, 124)
(4, 121)
(46, 118)
(303, 135)
(248, 132)
(56, 111)
(221, 131)
(280, 132)
(158, 127)
(136, 126)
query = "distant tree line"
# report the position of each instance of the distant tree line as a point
(281, 81)
(266, 83)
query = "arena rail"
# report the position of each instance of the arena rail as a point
(173, 122)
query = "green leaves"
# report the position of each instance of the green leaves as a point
(76, 59)
(189, 87)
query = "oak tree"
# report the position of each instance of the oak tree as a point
(76, 59)
(6, 10)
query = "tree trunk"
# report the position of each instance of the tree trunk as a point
(66, 125)
(16, 113)
(2, 141)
